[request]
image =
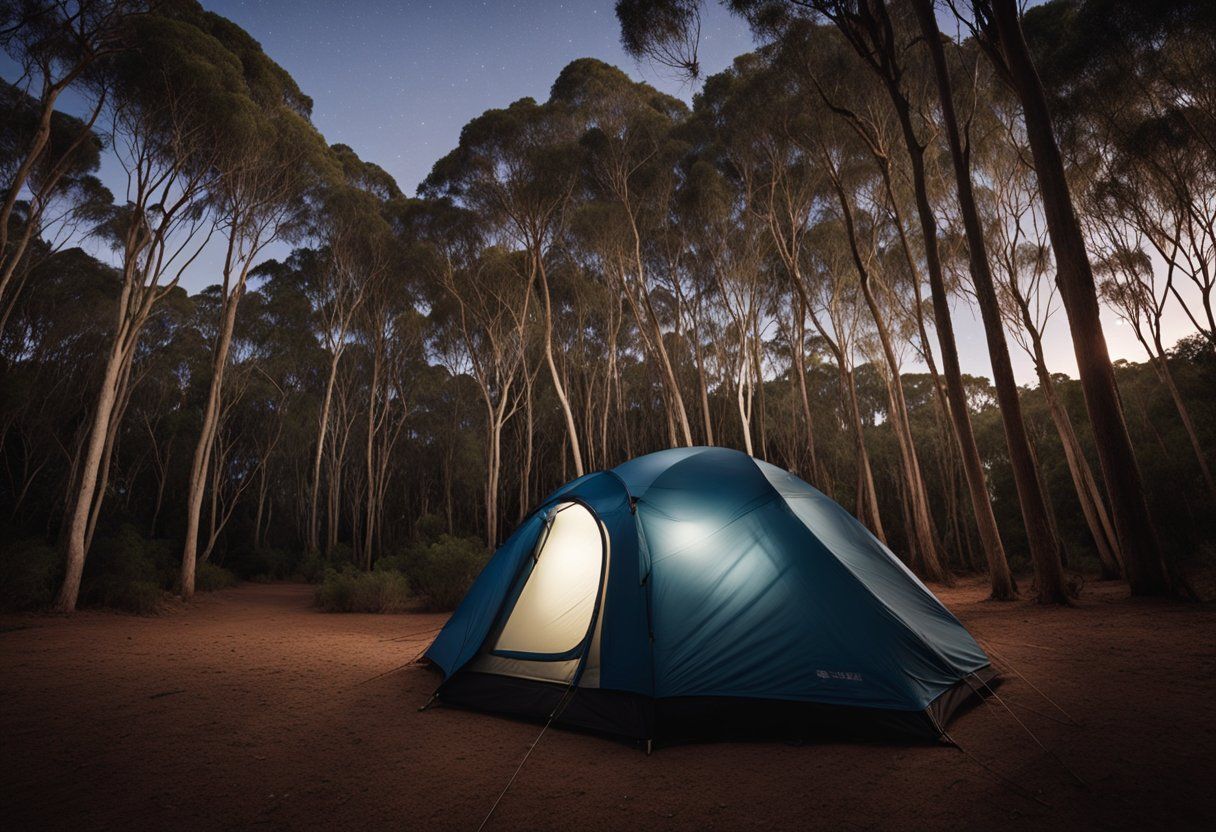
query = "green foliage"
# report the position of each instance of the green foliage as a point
(30, 570)
(562, 184)
(349, 590)
(391, 563)
(312, 568)
(443, 571)
(429, 527)
(267, 564)
(129, 572)
(208, 577)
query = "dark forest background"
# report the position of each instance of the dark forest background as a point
(583, 280)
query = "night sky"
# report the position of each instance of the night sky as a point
(397, 80)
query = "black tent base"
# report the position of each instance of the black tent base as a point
(701, 718)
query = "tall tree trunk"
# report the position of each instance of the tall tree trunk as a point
(77, 527)
(206, 439)
(703, 391)
(798, 357)
(559, 388)
(868, 495)
(1044, 548)
(669, 374)
(758, 375)
(525, 476)
(743, 400)
(1162, 363)
(1093, 505)
(314, 520)
(1146, 569)
(923, 536)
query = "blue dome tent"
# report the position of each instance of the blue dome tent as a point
(699, 587)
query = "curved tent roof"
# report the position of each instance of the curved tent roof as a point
(723, 580)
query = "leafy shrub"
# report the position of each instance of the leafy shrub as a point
(392, 563)
(341, 554)
(312, 568)
(349, 590)
(429, 528)
(30, 571)
(264, 564)
(208, 577)
(139, 597)
(128, 571)
(444, 570)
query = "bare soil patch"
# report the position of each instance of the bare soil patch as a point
(251, 709)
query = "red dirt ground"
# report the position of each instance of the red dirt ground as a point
(252, 710)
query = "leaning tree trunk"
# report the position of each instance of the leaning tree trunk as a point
(558, 387)
(669, 375)
(1003, 587)
(799, 359)
(1044, 548)
(923, 535)
(1093, 506)
(703, 392)
(314, 525)
(867, 494)
(206, 440)
(77, 527)
(1162, 361)
(1146, 569)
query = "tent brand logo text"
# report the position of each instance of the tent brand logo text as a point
(846, 675)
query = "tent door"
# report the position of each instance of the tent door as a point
(553, 612)
(553, 621)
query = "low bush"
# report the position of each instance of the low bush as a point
(444, 570)
(392, 563)
(429, 528)
(137, 596)
(129, 572)
(341, 555)
(312, 568)
(208, 577)
(349, 590)
(262, 564)
(30, 571)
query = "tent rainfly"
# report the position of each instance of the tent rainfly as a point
(699, 590)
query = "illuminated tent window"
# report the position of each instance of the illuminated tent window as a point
(553, 612)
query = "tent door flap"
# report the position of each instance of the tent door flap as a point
(555, 609)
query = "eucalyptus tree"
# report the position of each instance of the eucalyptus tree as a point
(168, 119)
(747, 112)
(355, 254)
(862, 233)
(631, 151)
(53, 353)
(1131, 83)
(1050, 585)
(58, 46)
(997, 27)
(391, 331)
(484, 303)
(518, 168)
(688, 255)
(835, 308)
(269, 162)
(737, 247)
(1131, 284)
(880, 44)
(64, 198)
(1021, 262)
